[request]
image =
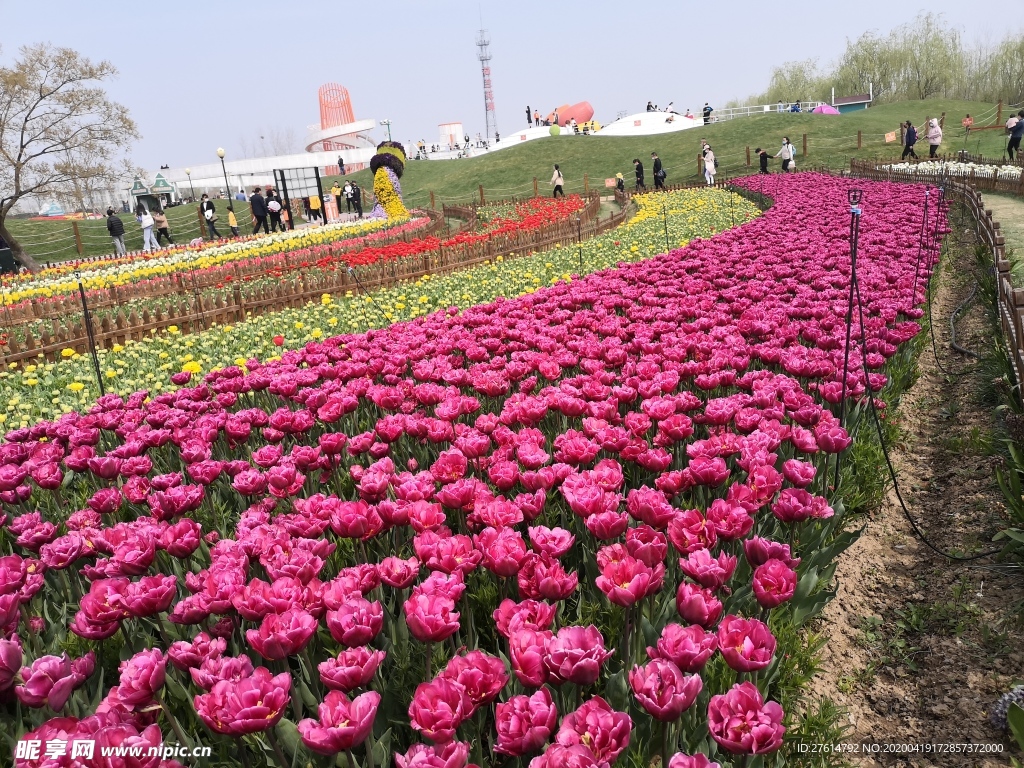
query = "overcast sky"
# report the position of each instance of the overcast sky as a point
(198, 74)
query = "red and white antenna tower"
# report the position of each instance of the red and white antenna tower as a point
(491, 121)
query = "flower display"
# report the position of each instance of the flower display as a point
(460, 531)
(387, 167)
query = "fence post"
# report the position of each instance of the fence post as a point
(586, 183)
(202, 222)
(78, 237)
(859, 140)
(535, 192)
(748, 156)
(805, 145)
(942, 120)
(999, 113)
(432, 204)
(700, 163)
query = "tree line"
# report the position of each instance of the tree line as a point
(923, 59)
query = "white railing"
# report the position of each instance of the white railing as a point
(758, 109)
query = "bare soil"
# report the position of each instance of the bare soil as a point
(921, 646)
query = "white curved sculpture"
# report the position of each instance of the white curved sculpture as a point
(650, 124)
(349, 133)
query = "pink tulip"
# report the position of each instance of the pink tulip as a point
(454, 754)
(528, 614)
(662, 689)
(599, 727)
(647, 545)
(551, 541)
(527, 653)
(700, 760)
(342, 724)
(558, 756)
(438, 707)
(503, 550)
(398, 573)
(698, 605)
(50, 681)
(774, 583)
(543, 578)
(708, 571)
(742, 723)
(10, 661)
(525, 723)
(689, 648)
(356, 622)
(431, 618)
(575, 655)
(286, 634)
(141, 677)
(254, 703)
(627, 581)
(746, 644)
(481, 676)
(353, 668)
(758, 551)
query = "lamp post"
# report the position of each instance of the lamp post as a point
(227, 187)
(387, 124)
(188, 172)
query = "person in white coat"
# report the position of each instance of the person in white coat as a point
(557, 181)
(709, 166)
(934, 136)
(146, 222)
(786, 153)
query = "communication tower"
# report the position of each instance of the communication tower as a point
(490, 121)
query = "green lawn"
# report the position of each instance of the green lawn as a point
(831, 142)
(55, 240)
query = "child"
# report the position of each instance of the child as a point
(762, 157)
(620, 183)
(232, 221)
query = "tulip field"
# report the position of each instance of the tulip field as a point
(569, 509)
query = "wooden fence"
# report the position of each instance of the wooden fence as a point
(1009, 300)
(192, 314)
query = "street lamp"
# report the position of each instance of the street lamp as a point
(188, 172)
(227, 187)
(387, 124)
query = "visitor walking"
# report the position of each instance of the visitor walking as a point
(241, 195)
(336, 191)
(274, 210)
(258, 207)
(909, 140)
(762, 159)
(934, 136)
(233, 222)
(209, 212)
(786, 153)
(357, 199)
(658, 170)
(1016, 134)
(348, 196)
(556, 117)
(638, 167)
(161, 227)
(710, 166)
(967, 122)
(529, 116)
(341, 165)
(536, 118)
(115, 228)
(557, 181)
(146, 222)
(315, 208)
(781, 107)
(708, 109)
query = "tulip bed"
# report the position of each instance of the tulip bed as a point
(45, 390)
(579, 527)
(940, 167)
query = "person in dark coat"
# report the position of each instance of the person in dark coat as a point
(762, 159)
(659, 172)
(529, 116)
(909, 140)
(357, 199)
(258, 206)
(639, 168)
(708, 109)
(209, 212)
(274, 205)
(116, 229)
(1016, 134)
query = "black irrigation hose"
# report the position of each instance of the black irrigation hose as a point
(885, 449)
(952, 324)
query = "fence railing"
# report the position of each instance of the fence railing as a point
(193, 314)
(731, 113)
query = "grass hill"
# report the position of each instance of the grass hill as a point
(831, 142)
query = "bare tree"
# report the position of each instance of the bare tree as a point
(59, 133)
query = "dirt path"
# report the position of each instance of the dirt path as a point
(921, 646)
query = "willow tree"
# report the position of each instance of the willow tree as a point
(58, 129)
